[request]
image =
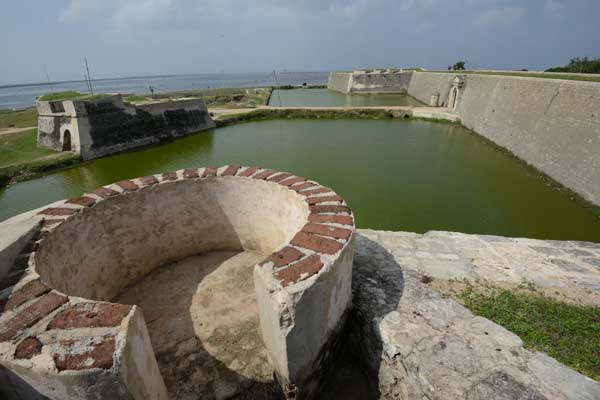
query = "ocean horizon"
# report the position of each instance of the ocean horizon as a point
(22, 95)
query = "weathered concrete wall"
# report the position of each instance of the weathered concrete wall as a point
(395, 82)
(107, 126)
(339, 81)
(424, 85)
(551, 124)
(108, 248)
(369, 82)
(89, 248)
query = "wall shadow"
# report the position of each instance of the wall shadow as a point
(175, 311)
(377, 286)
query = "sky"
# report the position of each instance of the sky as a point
(143, 37)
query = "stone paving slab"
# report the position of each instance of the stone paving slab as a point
(568, 266)
(425, 346)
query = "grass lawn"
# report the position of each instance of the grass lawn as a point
(573, 77)
(20, 156)
(136, 98)
(18, 119)
(21, 147)
(69, 95)
(567, 332)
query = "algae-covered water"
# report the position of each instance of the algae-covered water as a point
(395, 174)
(329, 98)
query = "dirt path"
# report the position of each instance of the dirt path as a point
(8, 131)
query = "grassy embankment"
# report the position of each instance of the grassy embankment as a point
(268, 113)
(573, 77)
(569, 333)
(71, 95)
(19, 154)
(214, 98)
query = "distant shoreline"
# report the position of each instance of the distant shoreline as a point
(13, 85)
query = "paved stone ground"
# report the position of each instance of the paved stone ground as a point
(565, 269)
(425, 346)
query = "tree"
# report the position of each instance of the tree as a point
(459, 66)
(581, 65)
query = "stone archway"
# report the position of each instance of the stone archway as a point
(455, 92)
(66, 143)
(452, 101)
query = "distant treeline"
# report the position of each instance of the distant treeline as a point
(582, 65)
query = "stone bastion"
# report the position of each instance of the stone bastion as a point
(63, 335)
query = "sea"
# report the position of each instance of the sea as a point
(19, 96)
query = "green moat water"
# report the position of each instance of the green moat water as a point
(329, 98)
(395, 174)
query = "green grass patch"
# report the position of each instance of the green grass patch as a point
(18, 119)
(265, 114)
(573, 77)
(61, 96)
(20, 158)
(32, 169)
(569, 333)
(134, 98)
(21, 148)
(71, 95)
(225, 97)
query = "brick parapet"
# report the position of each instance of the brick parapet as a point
(33, 315)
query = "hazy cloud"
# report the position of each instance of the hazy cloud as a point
(500, 17)
(129, 37)
(135, 12)
(554, 8)
(78, 9)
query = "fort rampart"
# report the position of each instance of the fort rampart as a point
(375, 81)
(552, 124)
(95, 128)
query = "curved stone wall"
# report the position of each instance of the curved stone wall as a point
(61, 336)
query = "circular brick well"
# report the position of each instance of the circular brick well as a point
(223, 275)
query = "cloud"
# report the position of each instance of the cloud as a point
(554, 8)
(76, 10)
(119, 13)
(128, 13)
(500, 18)
(349, 9)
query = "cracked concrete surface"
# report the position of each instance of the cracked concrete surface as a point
(425, 346)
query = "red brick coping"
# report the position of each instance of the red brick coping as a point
(32, 313)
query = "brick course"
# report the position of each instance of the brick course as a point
(127, 186)
(149, 180)
(90, 315)
(31, 315)
(82, 201)
(316, 243)
(190, 173)
(105, 193)
(302, 269)
(99, 355)
(304, 257)
(28, 348)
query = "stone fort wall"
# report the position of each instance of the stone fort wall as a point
(95, 128)
(551, 124)
(378, 81)
(339, 81)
